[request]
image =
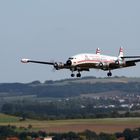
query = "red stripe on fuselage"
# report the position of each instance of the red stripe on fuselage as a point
(95, 61)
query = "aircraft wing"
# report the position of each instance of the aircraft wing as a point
(128, 63)
(130, 57)
(133, 61)
(56, 65)
(32, 61)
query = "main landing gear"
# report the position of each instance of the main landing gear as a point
(77, 75)
(109, 74)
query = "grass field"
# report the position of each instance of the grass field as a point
(109, 125)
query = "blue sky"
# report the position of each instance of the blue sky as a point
(54, 30)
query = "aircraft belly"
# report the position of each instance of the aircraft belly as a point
(87, 65)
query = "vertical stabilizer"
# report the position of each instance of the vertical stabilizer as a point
(121, 52)
(98, 51)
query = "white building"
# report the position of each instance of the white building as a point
(48, 138)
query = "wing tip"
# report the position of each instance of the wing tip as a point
(24, 60)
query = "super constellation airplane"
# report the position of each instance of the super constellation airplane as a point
(86, 61)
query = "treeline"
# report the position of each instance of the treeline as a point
(25, 133)
(63, 110)
(67, 88)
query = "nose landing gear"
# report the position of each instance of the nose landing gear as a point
(72, 75)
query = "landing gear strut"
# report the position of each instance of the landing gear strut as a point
(109, 74)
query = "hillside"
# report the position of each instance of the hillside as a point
(71, 87)
(87, 97)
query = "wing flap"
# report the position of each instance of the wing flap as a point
(127, 63)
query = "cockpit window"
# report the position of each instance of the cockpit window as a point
(70, 58)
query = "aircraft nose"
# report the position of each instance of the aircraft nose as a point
(69, 63)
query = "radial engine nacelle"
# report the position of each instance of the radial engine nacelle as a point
(120, 62)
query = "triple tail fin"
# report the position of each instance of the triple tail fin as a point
(98, 51)
(121, 53)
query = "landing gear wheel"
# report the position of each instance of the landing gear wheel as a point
(109, 74)
(78, 75)
(72, 75)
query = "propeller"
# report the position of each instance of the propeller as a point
(57, 65)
